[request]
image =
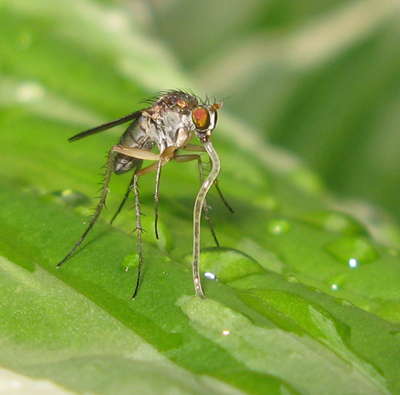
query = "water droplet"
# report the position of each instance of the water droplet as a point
(334, 221)
(313, 289)
(130, 261)
(352, 251)
(343, 302)
(353, 262)
(226, 264)
(292, 279)
(278, 226)
(166, 259)
(334, 287)
(210, 275)
(70, 198)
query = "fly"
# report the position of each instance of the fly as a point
(172, 120)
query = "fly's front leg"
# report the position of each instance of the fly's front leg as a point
(200, 148)
(100, 206)
(187, 158)
(198, 205)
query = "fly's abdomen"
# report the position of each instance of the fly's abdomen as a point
(134, 137)
(123, 163)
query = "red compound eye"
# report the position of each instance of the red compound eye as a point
(201, 118)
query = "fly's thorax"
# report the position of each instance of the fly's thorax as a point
(168, 128)
(178, 101)
(136, 136)
(178, 128)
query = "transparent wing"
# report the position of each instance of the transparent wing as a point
(97, 129)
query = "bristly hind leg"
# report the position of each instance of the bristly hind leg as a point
(161, 161)
(99, 207)
(139, 228)
(134, 153)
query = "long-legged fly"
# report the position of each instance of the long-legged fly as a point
(169, 123)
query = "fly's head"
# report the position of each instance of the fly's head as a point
(204, 118)
(181, 111)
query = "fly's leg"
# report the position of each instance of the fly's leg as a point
(205, 205)
(227, 205)
(161, 161)
(198, 206)
(100, 206)
(134, 153)
(156, 195)
(187, 158)
(200, 148)
(139, 231)
(165, 157)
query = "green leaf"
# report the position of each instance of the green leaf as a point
(301, 299)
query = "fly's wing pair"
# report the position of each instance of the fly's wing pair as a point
(108, 125)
